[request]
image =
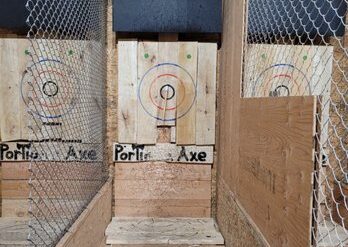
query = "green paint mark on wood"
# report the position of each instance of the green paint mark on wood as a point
(263, 56)
(189, 56)
(305, 57)
(26, 52)
(146, 55)
(71, 52)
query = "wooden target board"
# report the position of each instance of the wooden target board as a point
(167, 84)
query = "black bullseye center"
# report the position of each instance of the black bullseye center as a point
(167, 92)
(50, 88)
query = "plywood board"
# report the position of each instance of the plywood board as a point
(206, 94)
(127, 94)
(163, 152)
(15, 208)
(163, 231)
(147, 124)
(186, 113)
(276, 165)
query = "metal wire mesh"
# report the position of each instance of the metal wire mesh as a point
(64, 90)
(296, 48)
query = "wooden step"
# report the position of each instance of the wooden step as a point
(163, 232)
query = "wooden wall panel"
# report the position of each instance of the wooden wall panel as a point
(276, 165)
(162, 190)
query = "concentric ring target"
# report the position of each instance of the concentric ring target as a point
(159, 89)
(281, 80)
(52, 88)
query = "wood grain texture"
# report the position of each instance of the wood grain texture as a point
(159, 189)
(182, 231)
(127, 91)
(276, 165)
(96, 216)
(146, 126)
(168, 53)
(206, 94)
(13, 62)
(186, 122)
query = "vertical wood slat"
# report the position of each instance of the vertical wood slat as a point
(206, 94)
(13, 120)
(147, 125)
(185, 124)
(168, 53)
(127, 100)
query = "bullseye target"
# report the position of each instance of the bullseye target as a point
(165, 88)
(281, 80)
(51, 87)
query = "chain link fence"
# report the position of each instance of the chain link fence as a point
(64, 90)
(296, 48)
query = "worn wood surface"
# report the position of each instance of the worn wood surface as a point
(168, 53)
(186, 122)
(13, 62)
(127, 91)
(180, 231)
(162, 190)
(206, 94)
(96, 216)
(148, 55)
(276, 165)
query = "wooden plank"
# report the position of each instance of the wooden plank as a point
(186, 112)
(19, 189)
(206, 94)
(162, 189)
(147, 58)
(15, 208)
(168, 53)
(15, 170)
(190, 231)
(162, 171)
(163, 208)
(163, 152)
(127, 91)
(275, 183)
(96, 216)
(13, 64)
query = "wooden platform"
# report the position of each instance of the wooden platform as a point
(13, 232)
(163, 231)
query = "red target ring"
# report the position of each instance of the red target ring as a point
(152, 88)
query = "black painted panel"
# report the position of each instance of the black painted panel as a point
(13, 14)
(180, 16)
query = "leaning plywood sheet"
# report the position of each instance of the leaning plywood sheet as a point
(290, 70)
(127, 91)
(163, 152)
(275, 184)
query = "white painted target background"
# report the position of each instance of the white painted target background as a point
(166, 87)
